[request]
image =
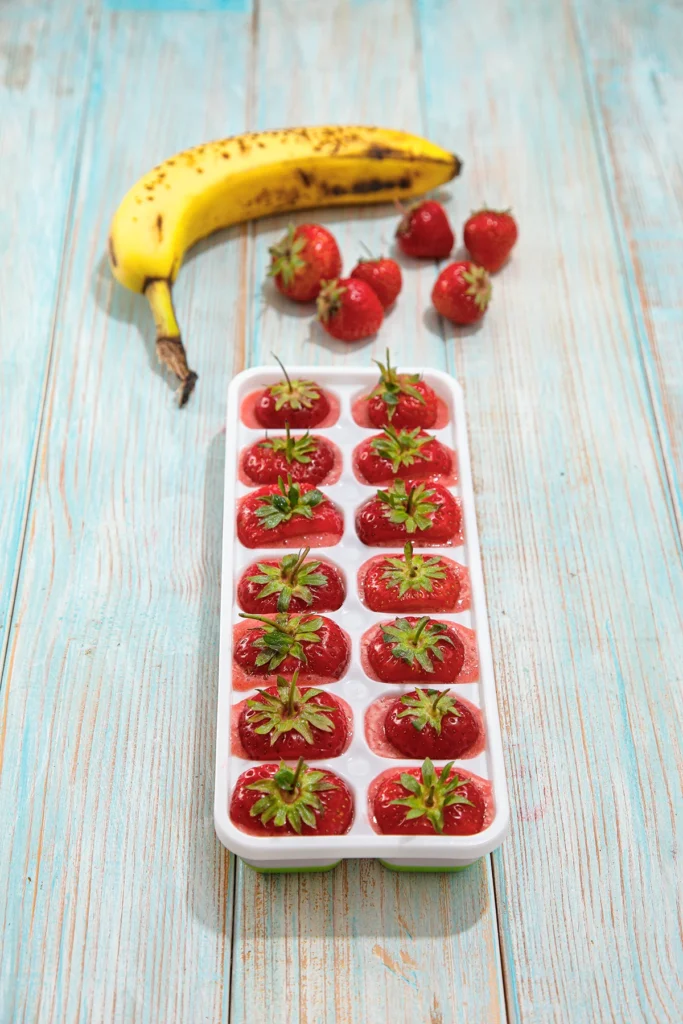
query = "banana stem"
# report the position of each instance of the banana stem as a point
(169, 344)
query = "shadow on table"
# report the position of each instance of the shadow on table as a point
(371, 900)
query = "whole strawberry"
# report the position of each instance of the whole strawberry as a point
(383, 275)
(302, 260)
(462, 292)
(489, 237)
(425, 231)
(349, 309)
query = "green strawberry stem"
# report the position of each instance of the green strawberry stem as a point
(392, 385)
(290, 574)
(418, 629)
(268, 622)
(289, 708)
(282, 367)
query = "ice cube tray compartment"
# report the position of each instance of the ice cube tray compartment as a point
(359, 765)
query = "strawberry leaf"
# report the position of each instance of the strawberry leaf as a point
(292, 577)
(289, 711)
(428, 707)
(294, 449)
(283, 637)
(290, 797)
(401, 448)
(393, 384)
(411, 509)
(287, 502)
(413, 572)
(432, 794)
(418, 642)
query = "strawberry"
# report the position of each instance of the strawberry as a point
(277, 513)
(314, 644)
(425, 232)
(418, 801)
(273, 799)
(410, 650)
(413, 583)
(489, 237)
(431, 723)
(384, 277)
(349, 309)
(401, 399)
(305, 458)
(408, 454)
(293, 583)
(288, 721)
(462, 292)
(302, 260)
(300, 403)
(428, 515)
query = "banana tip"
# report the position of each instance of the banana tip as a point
(186, 388)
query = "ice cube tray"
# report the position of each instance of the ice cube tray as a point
(359, 765)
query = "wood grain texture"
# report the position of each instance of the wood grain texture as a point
(116, 902)
(581, 553)
(44, 79)
(359, 945)
(116, 896)
(634, 73)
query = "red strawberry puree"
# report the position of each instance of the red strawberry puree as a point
(469, 673)
(236, 748)
(483, 785)
(380, 745)
(249, 419)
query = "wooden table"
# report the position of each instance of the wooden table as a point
(116, 901)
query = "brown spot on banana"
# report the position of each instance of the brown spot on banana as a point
(160, 228)
(307, 178)
(365, 185)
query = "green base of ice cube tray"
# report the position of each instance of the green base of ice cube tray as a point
(330, 867)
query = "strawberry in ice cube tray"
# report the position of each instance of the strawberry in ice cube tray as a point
(274, 799)
(411, 649)
(432, 723)
(402, 400)
(289, 721)
(300, 403)
(425, 801)
(287, 513)
(406, 454)
(413, 582)
(314, 644)
(408, 511)
(292, 583)
(307, 459)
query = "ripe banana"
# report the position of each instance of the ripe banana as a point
(222, 183)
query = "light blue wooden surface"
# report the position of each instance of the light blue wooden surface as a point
(117, 903)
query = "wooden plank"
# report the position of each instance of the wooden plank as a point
(634, 69)
(44, 72)
(362, 944)
(116, 897)
(580, 548)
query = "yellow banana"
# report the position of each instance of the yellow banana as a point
(254, 175)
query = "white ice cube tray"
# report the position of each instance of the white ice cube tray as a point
(358, 766)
